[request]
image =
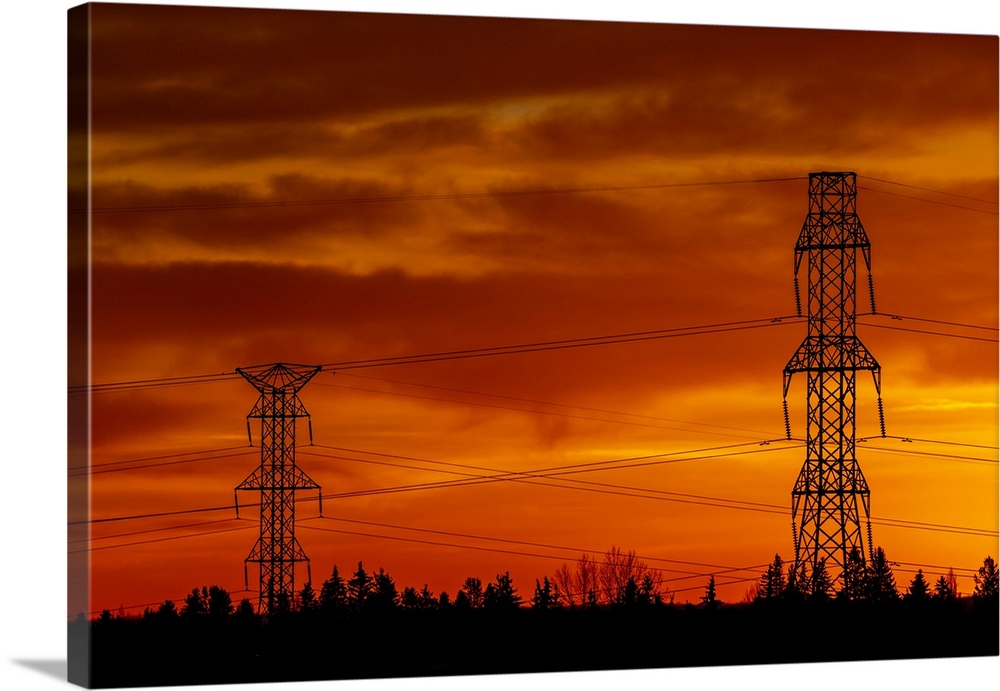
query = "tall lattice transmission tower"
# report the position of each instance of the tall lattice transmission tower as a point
(831, 491)
(277, 479)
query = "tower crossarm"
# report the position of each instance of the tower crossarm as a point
(293, 478)
(825, 354)
(279, 377)
(831, 354)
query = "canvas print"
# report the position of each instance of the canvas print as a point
(426, 345)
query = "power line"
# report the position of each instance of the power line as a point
(152, 530)
(933, 333)
(541, 412)
(675, 332)
(545, 473)
(545, 403)
(929, 201)
(462, 354)
(459, 465)
(719, 569)
(513, 476)
(476, 548)
(425, 197)
(553, 472)
(161, 514)
(578, 550)
(900, 317)
(945, 456)
(564, 344)
(934, 527)
(927, 189)
(636, 492)
(938, 566)
(560, 483)
(701, 587)
(156, 458)
(931, 441)
(153, 383)
(227, 508)
(160, 464)
(244, 450)
(160, 539)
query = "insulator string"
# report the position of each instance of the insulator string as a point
(881, 416)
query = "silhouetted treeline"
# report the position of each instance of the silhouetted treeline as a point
(362, 626)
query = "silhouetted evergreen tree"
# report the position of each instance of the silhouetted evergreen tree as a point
(473, 589)
(918, 591)
(427, 599)
(797, 583)
(245, 612)
(710, 600)
(424, 599)
(281, 605)
(629, 596)
(462, 601)
(409, 598)
(195, 603)
(772, 583)
(358, 588)
(543, 598)
(168, 610)
(649, 591)
(942, 590)
(881, 582)
(444, 601)
(307, 599)
(986, 580)
(383, 595)
(501, 593)
(854, 580)
(820, 584)
(333, 594)
(218, 602)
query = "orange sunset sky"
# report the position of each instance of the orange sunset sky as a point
(324, 187)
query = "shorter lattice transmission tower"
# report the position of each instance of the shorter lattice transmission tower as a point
(277, 551)
(831, 492)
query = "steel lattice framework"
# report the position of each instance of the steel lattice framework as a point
(277, 479)
(831, 491)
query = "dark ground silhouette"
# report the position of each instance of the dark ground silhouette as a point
(319, 645)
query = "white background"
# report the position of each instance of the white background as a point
(33, 341)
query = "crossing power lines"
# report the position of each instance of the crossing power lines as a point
(538, 346)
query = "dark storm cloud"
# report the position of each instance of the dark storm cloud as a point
(156, 68)
(786, 111)
(255, 142)
(234, 216)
